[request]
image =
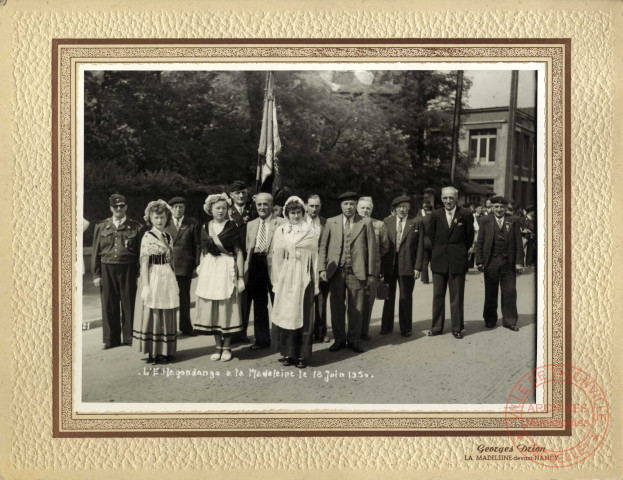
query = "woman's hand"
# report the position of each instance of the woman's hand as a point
(240, 285)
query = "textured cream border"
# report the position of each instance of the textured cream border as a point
(70, 56)
(28, 451)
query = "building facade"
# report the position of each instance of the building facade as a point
(485, 138)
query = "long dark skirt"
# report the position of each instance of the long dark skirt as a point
(298, 343)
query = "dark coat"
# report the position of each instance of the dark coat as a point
(514, 244)
(450, 244)
(186, 246)
(408, 247)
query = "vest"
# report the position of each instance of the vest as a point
(499, 242)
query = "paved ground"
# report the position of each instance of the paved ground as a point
(479, 369)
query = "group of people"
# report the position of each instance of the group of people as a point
(297, 260)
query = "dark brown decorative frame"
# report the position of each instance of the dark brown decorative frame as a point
(69, 53)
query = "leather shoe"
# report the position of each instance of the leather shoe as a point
(489, 324)
(385, 332)
(281, 360)
(288, 362)
(458, 335)
(106, 347)
(301, 363)
(406, 334)
(355, 347)
(365, 337)
(514, 328)
(257, 347)
(431, 333)
(336, 347)
(192, 333)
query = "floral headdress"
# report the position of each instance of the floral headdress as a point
(295, 199)
(154, 206)
(212, 199)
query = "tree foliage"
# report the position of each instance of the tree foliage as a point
(164, 133)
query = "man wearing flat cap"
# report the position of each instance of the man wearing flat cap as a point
(186, 249)
(348, 260)
(114, 263)
(241, 213)
(398, 266)
(451, 235)
(499, 253)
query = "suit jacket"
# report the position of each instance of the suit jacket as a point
(408, 246)
(363, 251)
(450, 244)
(186, 245)
(381, 237)
(486, 234)
(252, 229)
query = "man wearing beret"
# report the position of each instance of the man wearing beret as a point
(186, 249)
(499, 253)
(348, 260)
(241, 213)
(114, 263)
(398, 266)
(451, 235)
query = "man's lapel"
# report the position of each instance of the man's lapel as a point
(339, 223)
(409, 222)
(391, 229)
(171, 230)
(272, 226)
(455, 219)
(356, 227)
(252, 231)
(506, 227)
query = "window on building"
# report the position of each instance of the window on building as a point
(482, 145)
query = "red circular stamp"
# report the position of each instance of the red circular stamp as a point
(535, 428)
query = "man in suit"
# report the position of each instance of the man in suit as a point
(348, 260)
(424, 220)
(364, 208)
(499, 253)
(114, 263)
(398, 266)
(186, 249)
(314, 205)
(259, 246)
(241, 212)
(451, 235)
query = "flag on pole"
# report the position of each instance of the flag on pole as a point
(270, 144)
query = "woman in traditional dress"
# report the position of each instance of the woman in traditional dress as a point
(295, 282)
(155, 314)
(219, 281)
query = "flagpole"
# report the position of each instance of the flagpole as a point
(258, 173)
(456, 124)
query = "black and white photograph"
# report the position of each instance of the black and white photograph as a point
(357, 237)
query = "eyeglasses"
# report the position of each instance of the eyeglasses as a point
(121, 205)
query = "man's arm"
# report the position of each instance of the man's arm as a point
(432, 230)
(519, 254)
(322, 251)
(384, 247)
(96, 260)
(480, 242)
(374, 261)
(469, 231)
